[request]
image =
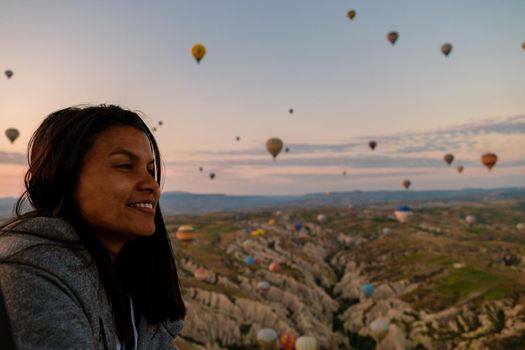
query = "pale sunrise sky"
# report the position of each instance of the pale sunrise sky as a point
(346, 83)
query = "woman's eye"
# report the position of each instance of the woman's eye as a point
(125, 166)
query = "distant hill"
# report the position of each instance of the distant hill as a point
(182, 202)
(189, 203)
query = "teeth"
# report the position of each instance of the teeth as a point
(142, 205)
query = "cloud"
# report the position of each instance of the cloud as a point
(12, 158)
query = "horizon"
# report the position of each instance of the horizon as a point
(345, 82)
(331, 193)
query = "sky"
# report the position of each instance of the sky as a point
(345, 82)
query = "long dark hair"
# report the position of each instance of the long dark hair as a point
(144, 268)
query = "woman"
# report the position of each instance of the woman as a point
(90, 265)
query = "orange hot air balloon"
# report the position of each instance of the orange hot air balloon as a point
(460, 168)
(198, 51)
(489, 160)
(372, 145)
(351, 14)
(407, 184)
(274, 146)
(449, 158)
(446, 48)
(275, 267)
(523, 45)
(186, 234)
(392, 37)
(287, 340)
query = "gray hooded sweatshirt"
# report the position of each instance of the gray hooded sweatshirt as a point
(54, 296)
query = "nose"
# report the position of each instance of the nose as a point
(148, 183)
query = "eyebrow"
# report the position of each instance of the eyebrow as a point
(129, 154)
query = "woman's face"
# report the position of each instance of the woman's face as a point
(117, 193)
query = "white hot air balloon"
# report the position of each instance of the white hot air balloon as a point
(321, 218)
(470, 220)
(379, 327)
(388, 231)
(403, 213)
(306, 342)
(267, 338)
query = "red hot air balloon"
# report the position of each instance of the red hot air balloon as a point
(449, 158)
(287, 340)
(489, 160)
(392, 37)
(446, 48)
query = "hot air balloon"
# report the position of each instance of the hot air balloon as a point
(263, 287)
(344, 173)
(392, 37)
(287, 340)
(12, 134)
(449, 158)
(388, 231)
(523, 45)
(367, 289)
(372, 145)
(199, 273)
(275, 267)
(470, 220)
(271, 222)
(406, 184)
(321, 218)
(212, 176)
(8, 73)
(287, 150)
(186, 234)
(460, 168)
(446, 48)
(489, 160)
(306, 342)
(154, 129)
(249, 260)
(403, 213)
(274, 146)
(290, 111)
(520, 226)
(201, 169)
(351, 14)
(238, 138)
(298, 227)
(198, 51)
(161, 122)
(267, 339)
(379, 327)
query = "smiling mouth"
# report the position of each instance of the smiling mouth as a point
(141, 205)
(145, 207)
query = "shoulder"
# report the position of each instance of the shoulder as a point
(50, 245)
